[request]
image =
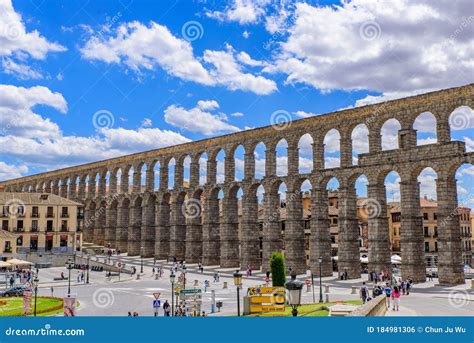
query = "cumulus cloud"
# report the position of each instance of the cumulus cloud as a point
(241, 11)
(20, 71)
(142, 47)
(303, 114)
(8, 171)
(359, 44)
(17, 42)
(30, 139)
(199, 119)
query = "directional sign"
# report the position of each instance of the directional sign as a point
(156, 303)
(190, 291)
(267, 308)
(266, 290)
(273, 299)
(156, 295)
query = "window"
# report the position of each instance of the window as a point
(64, 225)
(425, 216)
(49, 225)
(64, 212)
(426, 231)
(49, 212)
(19, 225)
(63, 241)
(49, 243)
(5, 211)
(35, 212)
(435, 216)
(8, 247)
(34, 225)
(19, 241)
(436, 246)
(5, 225)
(427, 246)
(34, 243)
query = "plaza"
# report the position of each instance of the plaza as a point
(104, 296)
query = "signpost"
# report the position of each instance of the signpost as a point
(266, 299)
(192, 299)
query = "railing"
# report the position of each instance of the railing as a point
(35, 215)
(49, 215)
(7, 250)
(64, 229)
(34, 229)
(19, 229)
(64, 215)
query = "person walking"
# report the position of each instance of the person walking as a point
(166, 308)
(364, 292)
(388, 294)
(396, 298)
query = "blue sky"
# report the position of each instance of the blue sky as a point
(87, 80)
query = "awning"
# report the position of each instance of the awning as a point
(4, 264)
(17, 262)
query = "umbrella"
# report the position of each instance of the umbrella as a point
(364, 260)
(396, 258)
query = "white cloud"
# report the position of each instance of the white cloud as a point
(145, 47)
(197, 119)
(241, 11)
(8, 171)
(32, 140)
(17, 117)
(246, 34)
(360, 139)
(427, 179)
(207, 105)
(245, 58)
(237, 114)
(16, 42)
(389, 134)
(142, 47)
(303, 114)
(228, 72)
(329, 47)
(20, 71)
(331, 141)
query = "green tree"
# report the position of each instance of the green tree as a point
(278, 269)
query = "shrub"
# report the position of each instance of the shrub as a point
(278, 269)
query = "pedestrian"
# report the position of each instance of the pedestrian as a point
(250, 269)
(396, 298)
(52, 291)
(388, 293)
(403, 287)
(166, 308)
(364, 292)
(12, 281)
(153, 271)
(430, 276)
(408, 286)
(129, 313)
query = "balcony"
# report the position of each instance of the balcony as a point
(49, 215)
(18, 229)
(34, 229)
(64, 215)
(7, 250)
(35, 215)
(4, 215)
(64, 229)
(49, 230)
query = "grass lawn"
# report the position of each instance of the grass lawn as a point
(309, 310)
(44, 306)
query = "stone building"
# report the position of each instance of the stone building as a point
(42, 223)
(7, 244)
(183, 221)
(429, 216)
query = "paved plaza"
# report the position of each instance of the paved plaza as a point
(111, 297)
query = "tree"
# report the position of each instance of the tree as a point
(277, 266)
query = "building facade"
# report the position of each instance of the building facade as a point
(42, 223)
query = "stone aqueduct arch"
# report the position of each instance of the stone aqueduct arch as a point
(140, 220)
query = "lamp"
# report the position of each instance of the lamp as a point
(238, 284)
(35, 286)
(172, 279)
(294, 288)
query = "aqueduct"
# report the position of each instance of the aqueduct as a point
(190, 222)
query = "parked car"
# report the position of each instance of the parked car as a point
(15, 291)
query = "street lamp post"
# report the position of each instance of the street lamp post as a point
(172, 277)
(141, 261)
(238, 283)
(35, 286)
(184, 276)
(320, 279)
(108, 251)
(312, 283)
(69, 265)
(88, 267)
(294, 288)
